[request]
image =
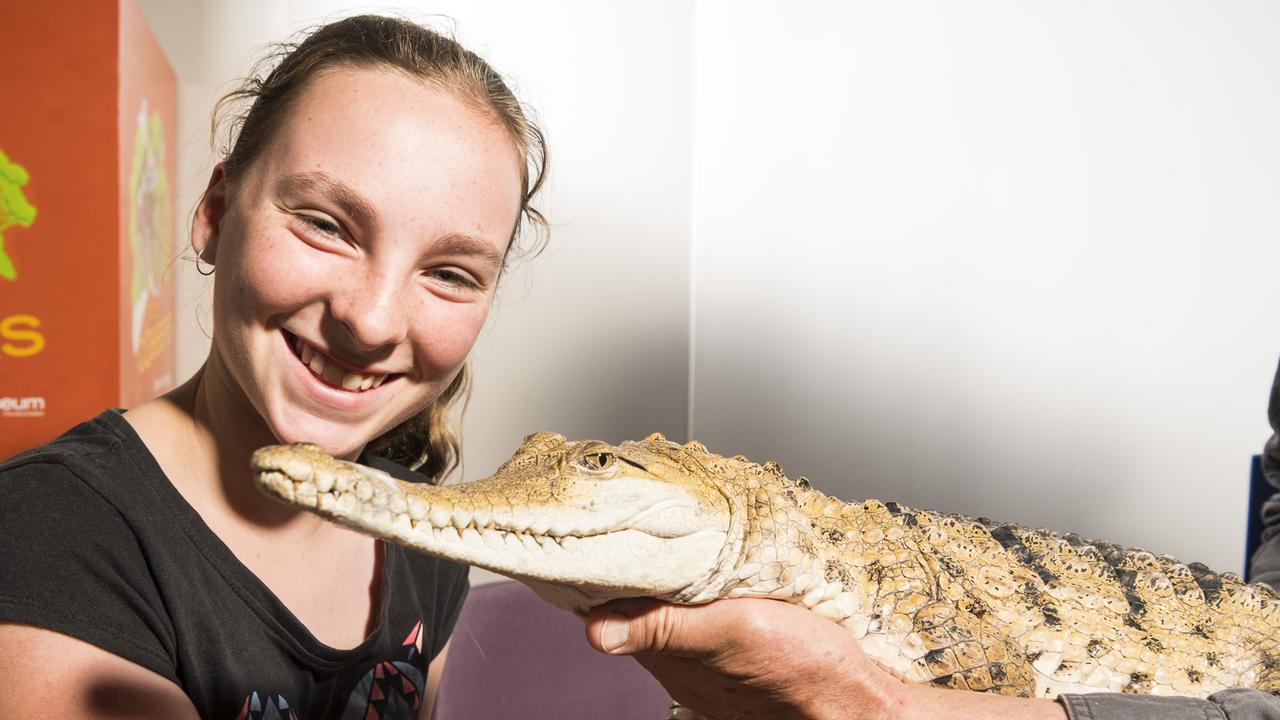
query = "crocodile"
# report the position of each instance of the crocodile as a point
(931, 597)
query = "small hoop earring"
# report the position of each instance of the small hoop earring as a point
(199, 257)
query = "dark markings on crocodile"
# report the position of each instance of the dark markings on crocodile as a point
(1129, 582)
(997, 672)
(951, 567)
(1034, 656)
(833, 536)
(837, 571)
(974, 607)
(1154, 644)
(1269, 661)
(1194, 675)
(1200, 631)
(875, 572)
(909, 519)
(1096, 649)
(1037, 599)
(1209, 582)
(1137, 681)
(893, 508)
(1211, 659)
(1010, 541)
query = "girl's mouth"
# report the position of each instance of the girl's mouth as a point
(329, 371)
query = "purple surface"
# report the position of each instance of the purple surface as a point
(515, 656)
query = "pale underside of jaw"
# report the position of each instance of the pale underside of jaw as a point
(331, 374)
(600, 564)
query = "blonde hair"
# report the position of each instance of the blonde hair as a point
(428, 442)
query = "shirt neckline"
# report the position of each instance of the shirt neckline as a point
(244, 582)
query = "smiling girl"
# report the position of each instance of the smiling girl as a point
(358, 227)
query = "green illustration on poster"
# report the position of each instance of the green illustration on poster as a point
(15, 211)
(150, 236)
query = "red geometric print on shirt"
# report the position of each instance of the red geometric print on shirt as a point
(276, 707)
(393, 689)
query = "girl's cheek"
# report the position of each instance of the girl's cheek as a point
(448, 338)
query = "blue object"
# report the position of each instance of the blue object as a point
(1259, 492)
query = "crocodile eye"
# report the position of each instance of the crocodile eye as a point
(596, 461)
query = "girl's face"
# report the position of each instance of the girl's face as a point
(357, 256)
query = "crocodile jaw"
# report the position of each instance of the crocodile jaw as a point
(647, 541)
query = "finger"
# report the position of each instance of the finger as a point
(632, 626)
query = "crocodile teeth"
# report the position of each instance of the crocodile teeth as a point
(305, 494)
(493, 539)
(461, 518)
(439, 517)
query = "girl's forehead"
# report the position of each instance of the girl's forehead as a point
(403, 143)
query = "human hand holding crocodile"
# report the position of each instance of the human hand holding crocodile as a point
(755, 659)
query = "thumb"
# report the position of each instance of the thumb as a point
(641, 625)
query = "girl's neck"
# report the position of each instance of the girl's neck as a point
(202, 434)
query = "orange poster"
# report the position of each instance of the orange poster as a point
(66, 352)
(148, 98)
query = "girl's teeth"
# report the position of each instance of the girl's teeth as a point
(333, 375)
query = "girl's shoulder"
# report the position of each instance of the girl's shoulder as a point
(70, 554)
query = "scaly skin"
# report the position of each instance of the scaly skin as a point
(935, 598)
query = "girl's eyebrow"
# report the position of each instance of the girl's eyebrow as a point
(343, 195)
(463, 244)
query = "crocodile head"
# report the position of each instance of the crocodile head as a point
(580, 522)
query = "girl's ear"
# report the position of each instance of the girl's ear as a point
(207, 220)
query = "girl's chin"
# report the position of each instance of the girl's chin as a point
(338, 439)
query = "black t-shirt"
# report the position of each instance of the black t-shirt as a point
(96, 543)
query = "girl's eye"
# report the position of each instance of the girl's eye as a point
(454, 278)
(325, 226)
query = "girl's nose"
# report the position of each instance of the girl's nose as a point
(371, 307)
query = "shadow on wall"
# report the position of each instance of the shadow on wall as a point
(930, 424)
(608, 381)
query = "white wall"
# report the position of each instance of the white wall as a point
(1013, 259)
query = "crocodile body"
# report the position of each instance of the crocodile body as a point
(931, 597)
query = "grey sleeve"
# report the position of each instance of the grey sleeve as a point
(1266, 561)
(1236, 704)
